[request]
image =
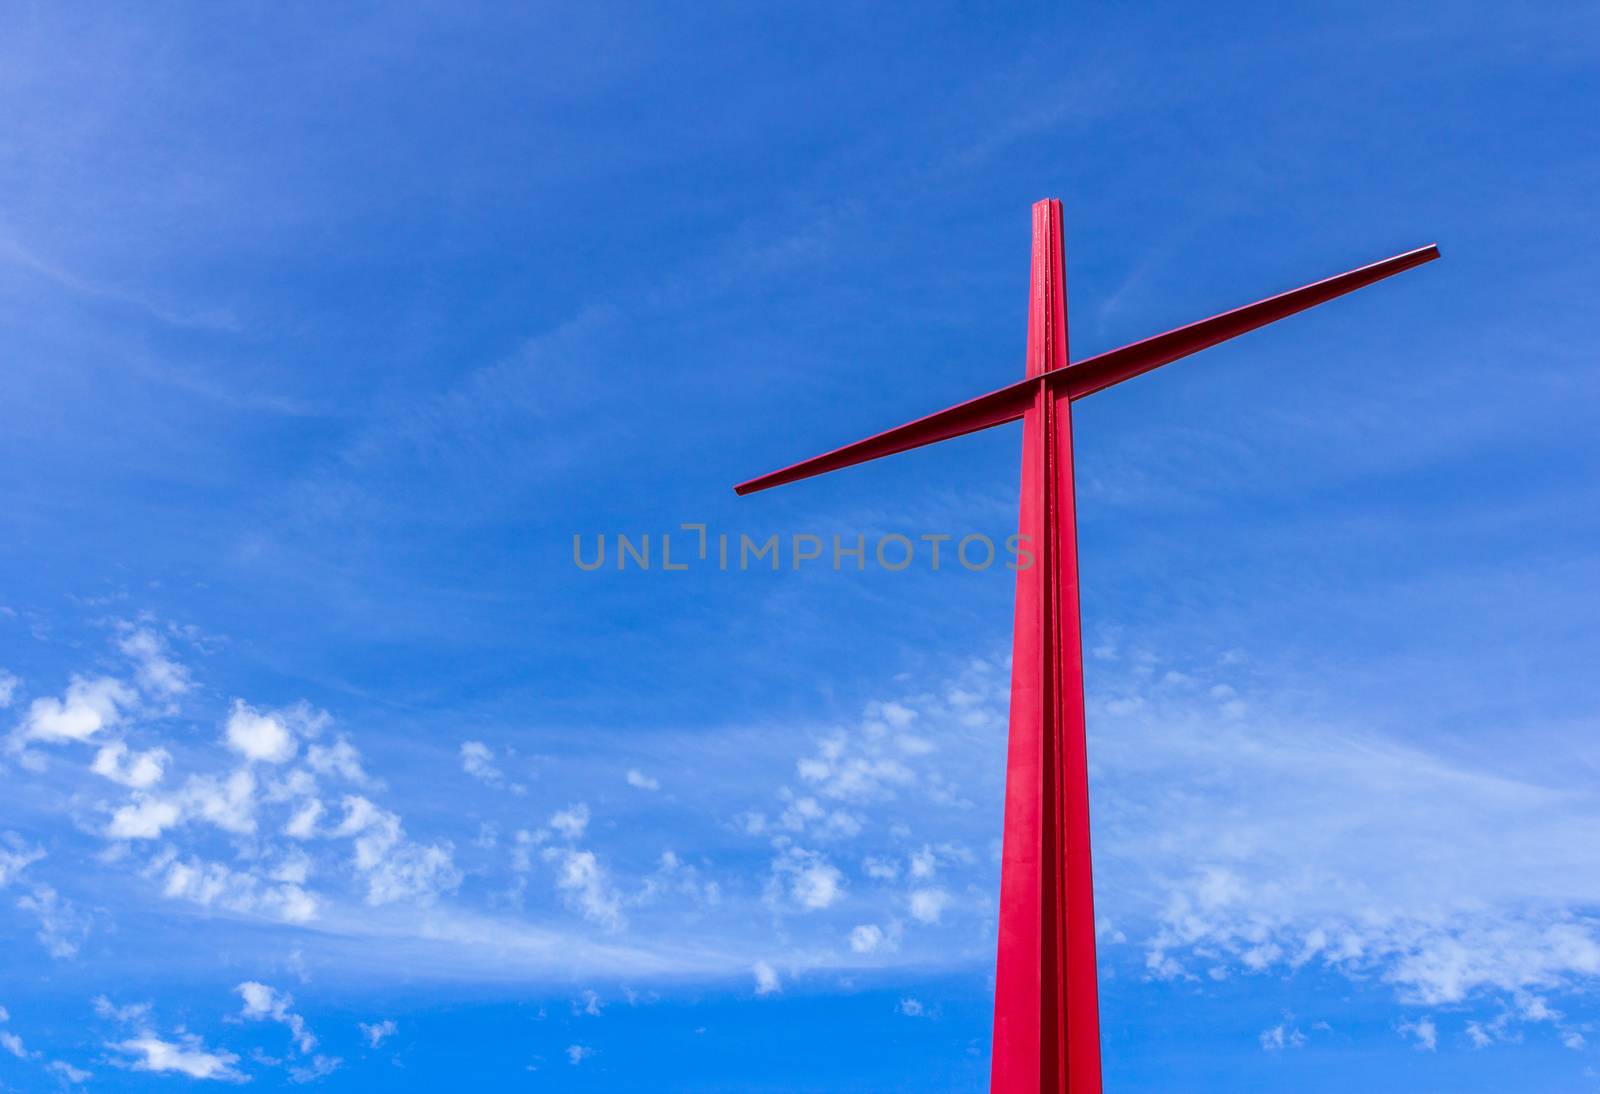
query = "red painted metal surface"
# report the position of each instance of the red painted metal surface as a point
(1046, 1008)
(1092, 374)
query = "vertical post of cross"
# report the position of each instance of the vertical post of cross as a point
(1047, 1021)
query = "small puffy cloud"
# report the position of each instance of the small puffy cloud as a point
(477, 760)
(130, 1014)
(912, 1008)
(1280, 1037)
(883, 869)
(303, 823)
(377, 1032)
(229, 803)
(145, 818)
(156, 673)
(68, 1072)
(927, 905)
(805, 813)
(640, 781)
(583, 882)
(188, 1056)
(817, 885)
(576, 1054)
(896, 715)
(62, 926)
(810, 881)
(139, 770)
(572, 821)
(866, 938)
(87, 707)
(263, 1002)
(13, 1044)
(8, 688)
(319, 1067)
(843, 770)
(675, 876)
(395, 868)
(259, 736)
(213, 883)
(1423, 1031)
(338, 759)
(767, 982)
(15, 857)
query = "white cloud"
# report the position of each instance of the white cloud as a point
(395, 868)
(807, 814)
(88, 707)
(339, 759)
(912, 1008)
(263, 1002)
(68, 1072)
(188, 1056)
(767, 982)
(13, 1044)
(1273, 840)
(866, 938)
(576, 1054)
(582, 880)
(319, 1067)
(229, 803)
(15, 857)
(129, 1014)
(303, 824)
(156, 673)
(139, 770)
(1280, 1037)
(62, 926)
(8, 688)
(808, 879)
(927, 905)
(259, 736)
(639, 780)
(377, 1032)
(674, 876)
(854, 769)
(896, 715)
(572, 821)
(883, 869)
(145, 818)
(477, 760)
(1423, 1031)
(214, 883)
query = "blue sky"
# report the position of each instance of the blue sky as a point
(323, 333)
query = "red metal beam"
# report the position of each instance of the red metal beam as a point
(1103, 370)
(1092, 374)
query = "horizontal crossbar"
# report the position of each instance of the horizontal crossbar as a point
(1092, 374)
